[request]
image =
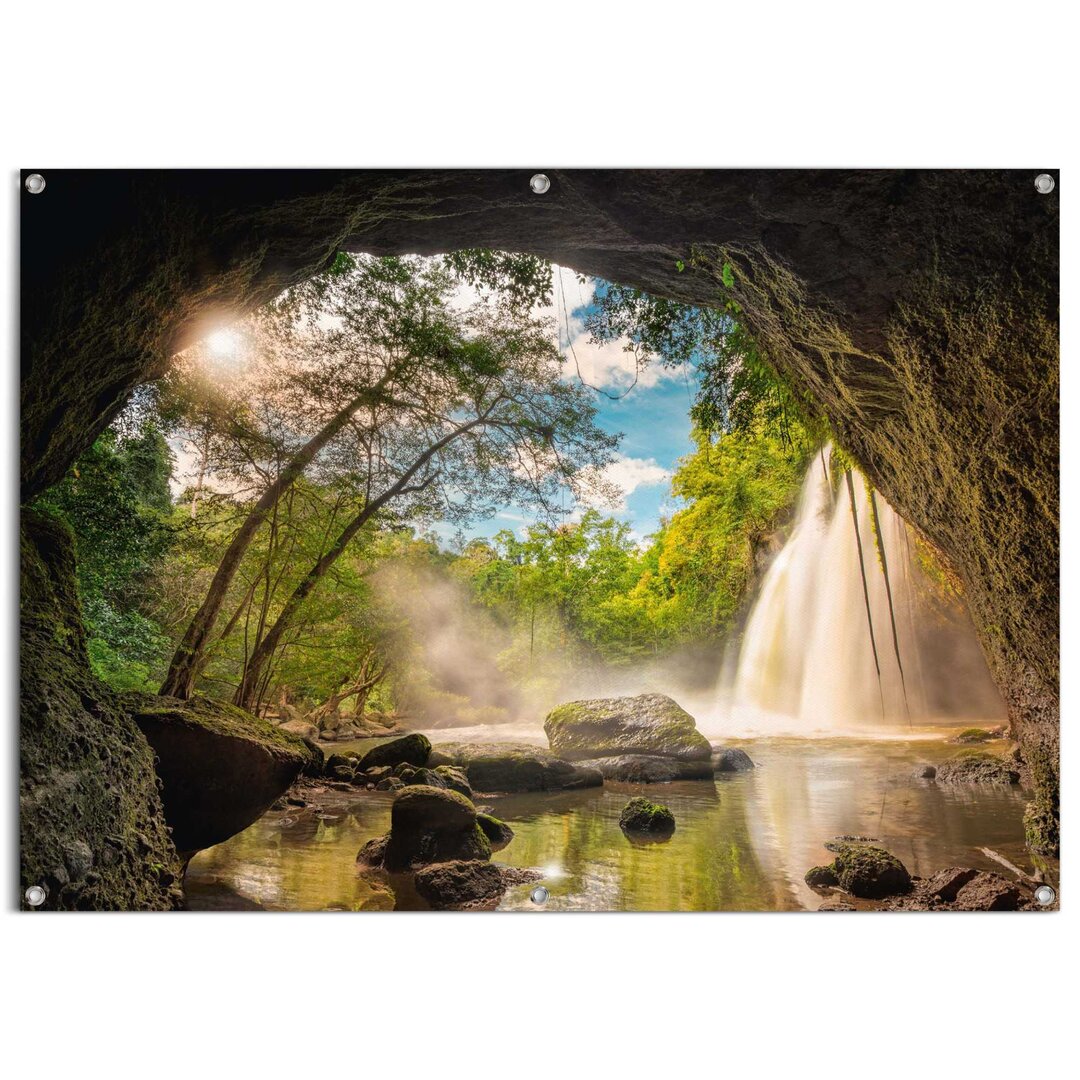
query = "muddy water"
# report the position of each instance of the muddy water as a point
(743, 842)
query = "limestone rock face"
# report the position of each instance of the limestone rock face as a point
(511, 767)
(220, 767)
(649, 724)
(93, 829)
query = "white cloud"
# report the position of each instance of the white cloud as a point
(627, 474)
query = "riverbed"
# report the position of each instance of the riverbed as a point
(743, 841)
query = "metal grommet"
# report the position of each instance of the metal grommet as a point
(1044, 183)
(35, 183)
(35, 895)
(539, 895)
(1045, 895)
(539, 184)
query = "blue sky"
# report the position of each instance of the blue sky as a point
(652, 416)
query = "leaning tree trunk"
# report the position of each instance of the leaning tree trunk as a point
(248, 690)
(189, 657)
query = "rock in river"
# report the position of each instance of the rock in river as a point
(427, 825)
(977, 767)
(461, 885)
(220, 767)
(727, 759)
(513, 767)
(410, 749)
(649, 724)
(866, 870)
(642, 816)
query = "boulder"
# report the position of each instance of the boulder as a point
(499, 834)
(429, 777)
(341, 772)
(945, 884)
(411, 749)
(646, 769)
(977, 767)
(642, 816)
(975, 735)
(867, 870)
(988, 892)
(316, 764)
(455, 779)
(650, 724)
(380, 772)
(221, 768)
(301, 729)
(731, 759)
(340, 761)
(925, 772)
(514, 767)
(461, 885)
(390, 783)
(428, 825)
(821, 877)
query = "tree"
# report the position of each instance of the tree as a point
(493, 423)
(116, 500)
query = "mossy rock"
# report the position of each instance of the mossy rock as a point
(91, 820)
(649, 724)
(455, 778)
(640, 815)
(221, 767)
(412, 749)
(821, 877)
(428, 825)
(975, 735)
(868, 870)
(498, 832)
(648, 769)
(977, 767)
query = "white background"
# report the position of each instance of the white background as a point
(539, 84)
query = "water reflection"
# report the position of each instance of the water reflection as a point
(743, 841)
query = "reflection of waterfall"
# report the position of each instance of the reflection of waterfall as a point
(807, 652)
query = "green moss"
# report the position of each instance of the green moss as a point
(974, 735)
(1042, 820)
(642, 815)
(868, 870)
(819, 877)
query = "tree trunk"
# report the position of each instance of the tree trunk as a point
(187, 661)
(245, 694)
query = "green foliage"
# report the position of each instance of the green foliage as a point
(116, 500)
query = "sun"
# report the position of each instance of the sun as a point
(224, 344)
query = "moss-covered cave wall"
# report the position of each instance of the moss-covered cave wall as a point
(918, 307)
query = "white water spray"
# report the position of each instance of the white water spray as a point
(807, 661)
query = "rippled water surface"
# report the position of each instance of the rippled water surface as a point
(743, 842)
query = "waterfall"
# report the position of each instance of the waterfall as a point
(807, 652)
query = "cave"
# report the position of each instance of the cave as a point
(919, 309)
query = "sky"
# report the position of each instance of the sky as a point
(652, 415)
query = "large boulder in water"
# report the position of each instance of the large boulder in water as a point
(977, 767)
(647, 769)
(427, 825)
(513, 767)
(649, 724)
(409, 750)
(220, 767)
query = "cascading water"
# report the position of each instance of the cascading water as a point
(823, 650)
